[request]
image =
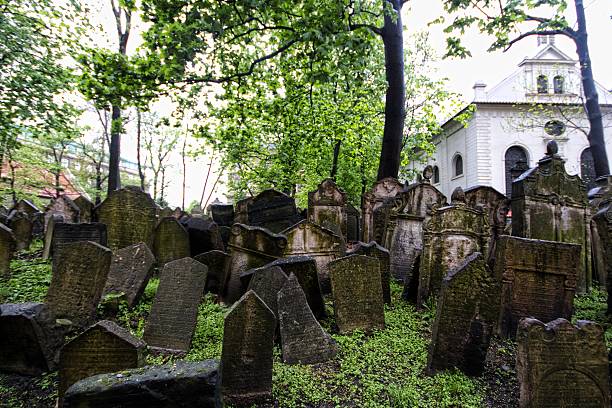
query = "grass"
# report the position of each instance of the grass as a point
(592, 306)
(30, 277)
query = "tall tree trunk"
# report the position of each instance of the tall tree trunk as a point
(138, 142)
(184, 170)
(163, 186)
(593, 110)
(12, 180)
(393, 40)
(334, 169)
(98, 198)
(114, 178)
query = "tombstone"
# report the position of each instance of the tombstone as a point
(374, 250)
(27, 207)
(174, 311)
(603, 221)
(452, 233)
(327, 207)
(22, 228)
(357, 293)
(48, 241)
(306, 238)
(466, 316)
(249, 247)
(549, 204)
(129, 215)
(222, 214)
(8, 245)
(496, 207)
(63, 206)
(4, 211)
(178, 213)
(38, 224)
(352, 223)
(267, 281)
(374, 207)
(538, 280)
(80, 270)
(404, 233)
(196, 211)
(203, 234)
(269, 209)
(246, 357)
(66, 233)
(28, 339)
(85, 209)
(171, 241)
(562, 365)
(216, 262)
(130, 270)
(104, 347)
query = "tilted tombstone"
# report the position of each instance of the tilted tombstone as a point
(129, 215)
(8, 245)
(130, 270)
(171, 241)
(266, 282)
(22, 228)
(104, 347)
(374, 207)
(452, 233)
(216, 262)
(562, 365)
(247, 353)
(174, 312)
(48, 241)
(327, 207)
(66, 233)
(538, 280)
(376, 251)
(307, 238)
(549, 204)
(65, 207)
(85, 209)
(269, 209)
(80, 270)
(353, 223)
(466, 316)
(204, 235)
(496, 207)
(222, 214)
(303, 339)
(249, 247)
(357, 293)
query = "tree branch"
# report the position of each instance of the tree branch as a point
(565, 32)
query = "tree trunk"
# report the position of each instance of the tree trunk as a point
(593, 110)
(98, 198)
(114, 178)
(334, 169)
(138, 141)
(184, 170)
(393, 40)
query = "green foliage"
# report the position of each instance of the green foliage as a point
(208, 337)
(592, 306)
(30, 278)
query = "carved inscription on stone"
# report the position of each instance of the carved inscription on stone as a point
(266, 282)
(383, 191)
(376, 251)
(130, 270)
(269, 209)
(64, 233)
(171, 241)
(327, 207)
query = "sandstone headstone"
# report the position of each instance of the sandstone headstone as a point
(63, 206)
(130, 270)
(204, 235)
(269, 209)
(327, 207)
(266, 282)
(601, 203)
(562, 365)
(80, 270)
(55, 219)
(175, 308)
(357, 293)
(85, 209)
(66, 233)
(246, 357)
(216, 262)
(353, 223)
(27, 207)
(222, 214)
(303, 339)
(376, 251)
(171, 241)
(374, 207)
(22, 228)
(8, 245)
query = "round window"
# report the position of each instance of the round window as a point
(554, 127)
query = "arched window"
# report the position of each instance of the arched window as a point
(587, 168)
(542, 84)
(558, 84)
(515, 162)
(458, 165)
(436, 175)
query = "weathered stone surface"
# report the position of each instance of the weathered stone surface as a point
(63, 206)
(80, 270)
(38, 224)
(8, 245)
(303, 339)
(171, 241)
(374, 208)
(562, 365)
(64, 233)
(249, 247)
(129, 215)
(246, 358)
(452, 233)
(307, 238)
(130, 270)
(175, 308)
(267, 281)
(204, 235)
(357, 292)
(222, 214)
(374, 250)
(549, 204)
(269, 209)
(21, 225)
(216, 261)
(602, 223)
(327, 207)
(26, 206)
(104, 347)
(55, 219)
(353, 223)
(28, 339)
(86, 208)
(181, 384)
(538, 280)
(467, 312)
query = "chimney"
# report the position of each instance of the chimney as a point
(479, 91)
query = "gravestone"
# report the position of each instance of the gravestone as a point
(66, 233)
(466, 316)
(86, 208)
(249, 247)
(28, 339)
(104, 347)
(327, 207)
(216, 262)
(269, 209)
(538, 280)
(63, 206)
(404, 234)
(165, 212)
(452, 233)
(246, 357)
(130, 270)
(357, 293)
(178, 213)
(303, 339)
(267, 281)
(196, 211)
(38, 224)
(48, 241)
(21, 225)
(603, 221)
(309, 239)
(222, 214)
(129, 215)
(374, 207)
(374, 250)
(549, 204)
(171, 241)
(204, 235)
(496, 207)
(27, 207)
(80, 270)
(174, 311)
(8, 245)
(562, 365)
(352, 223)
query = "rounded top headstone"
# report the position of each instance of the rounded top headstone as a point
(428, 172)
(552, 148)
(458, 196)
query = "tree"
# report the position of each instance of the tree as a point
(159, 142)
(504, 20)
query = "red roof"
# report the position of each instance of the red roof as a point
(46, 178)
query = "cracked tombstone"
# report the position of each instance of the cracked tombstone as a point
(8, 245)
(327, 207)
(374, 250)
(171, 241)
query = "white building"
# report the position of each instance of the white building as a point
(512, 122)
